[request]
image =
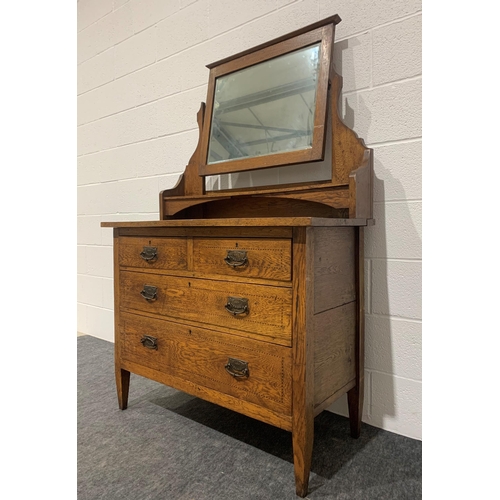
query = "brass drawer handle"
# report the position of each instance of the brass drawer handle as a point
(237, 368)
(149, 293)
(149, 254)
(236, 258)
(149, 342)
(237, 305)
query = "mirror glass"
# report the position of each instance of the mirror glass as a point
(265, 109)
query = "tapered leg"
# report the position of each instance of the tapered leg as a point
(302, 437)
(122, 385)
(355, 403)
(303, 357)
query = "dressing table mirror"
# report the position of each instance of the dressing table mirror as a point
(253, 298)
(268, 108)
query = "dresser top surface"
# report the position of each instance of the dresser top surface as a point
(246, 222)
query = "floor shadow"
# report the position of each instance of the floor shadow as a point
(333, 445)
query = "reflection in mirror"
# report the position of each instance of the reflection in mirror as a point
(265, 109)
(291, 174)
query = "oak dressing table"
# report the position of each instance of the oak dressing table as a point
(252, 298)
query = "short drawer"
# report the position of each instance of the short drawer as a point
(254, 371)
(259, 309)
(153, 253)
(248, 257)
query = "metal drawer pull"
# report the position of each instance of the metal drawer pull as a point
(236, 258)
(149, 254)
(237, 305)
(149, 293)
(237, 368)
(149, 342)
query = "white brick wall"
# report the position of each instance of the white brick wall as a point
(141, 78)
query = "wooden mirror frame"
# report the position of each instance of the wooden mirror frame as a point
(266, 52)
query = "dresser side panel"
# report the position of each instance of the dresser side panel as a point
(334, 351)
(334, 267)
(334, 321)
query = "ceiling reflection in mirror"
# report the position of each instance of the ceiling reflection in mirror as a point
(265, 109)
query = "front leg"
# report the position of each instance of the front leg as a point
(122, 386)
(303, 356)
(302, 438)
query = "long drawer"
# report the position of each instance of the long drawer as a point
(259, 309)
(254, 371)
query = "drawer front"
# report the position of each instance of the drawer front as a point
(249, 257)
(254, 371)
(219, 303)
(153, 253)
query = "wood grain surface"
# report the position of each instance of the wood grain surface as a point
(171, 253)
(237, 222)
(334, 350)
(266, 258)
(334, 268)
(204, 301)
(200, 356)
(303, 357)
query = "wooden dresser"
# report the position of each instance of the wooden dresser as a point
(253, 299)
